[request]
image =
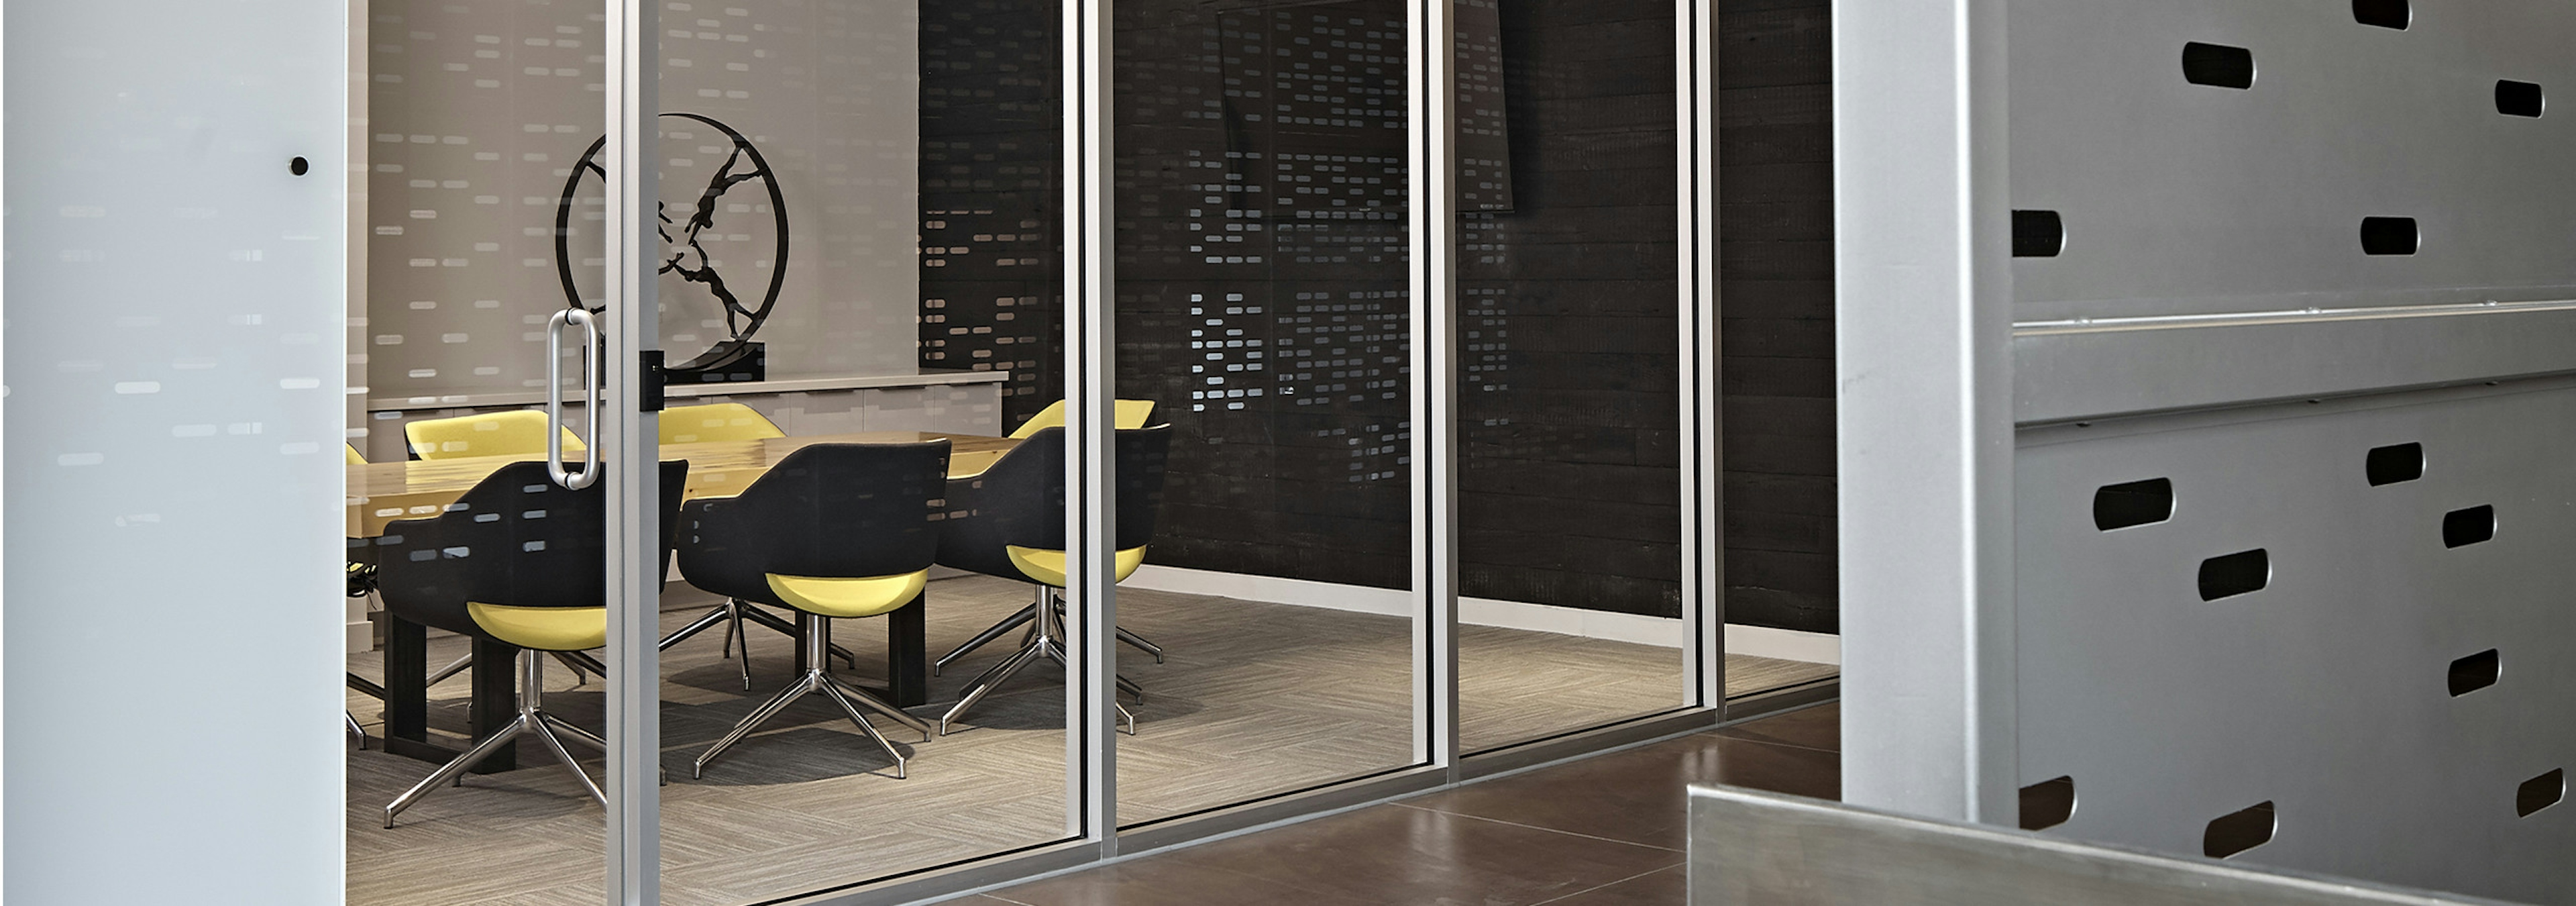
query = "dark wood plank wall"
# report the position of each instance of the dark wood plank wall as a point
(1570, 503)
(1569, 482)
(1775, 176)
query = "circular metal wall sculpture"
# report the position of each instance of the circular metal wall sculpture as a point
(737, 357)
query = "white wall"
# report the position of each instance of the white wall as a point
(173, 369)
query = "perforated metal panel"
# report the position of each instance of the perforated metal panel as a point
(2326, 691)
(2217, 313)
(2182, 198)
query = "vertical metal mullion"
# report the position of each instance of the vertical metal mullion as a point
(1432, 102)
(1091, 503)
(1923, 421)
(630, 451)
(1703, 480)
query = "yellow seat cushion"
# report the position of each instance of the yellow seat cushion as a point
(1130, 414)
(1046, 567)
(854, 597)
(543, 628)
(715, 422)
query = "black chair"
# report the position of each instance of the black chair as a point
(833, 530)
(1009, 522)
(520, 561)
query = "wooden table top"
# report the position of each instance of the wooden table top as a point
(382, 492)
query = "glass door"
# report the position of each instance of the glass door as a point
(477, 537)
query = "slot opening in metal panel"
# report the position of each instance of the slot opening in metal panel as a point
(2217, 65)
(2393, 464)
(2243, 572)
(2240, 830)
(2048, 803)
(2475, 672)
(2383, 13)
(2540, 792)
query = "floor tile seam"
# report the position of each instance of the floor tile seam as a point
(1723, 734)
(1607, 886)
(1535, 827)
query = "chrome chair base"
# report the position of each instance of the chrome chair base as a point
(532, 719)
(814, 632)
(731, 613)
(1025, 614)
(582, 665)
(365, 685)
(1045, 639)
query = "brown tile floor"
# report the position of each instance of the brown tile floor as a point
(1603, 831)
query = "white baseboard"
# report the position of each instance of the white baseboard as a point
(1595, 624)
(1785, 644)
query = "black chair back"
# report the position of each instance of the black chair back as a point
(827, 510)
(1019, 500)
(516, 539)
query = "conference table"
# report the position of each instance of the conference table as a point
(382, 493)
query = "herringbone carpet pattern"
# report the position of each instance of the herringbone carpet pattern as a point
(1255, 699)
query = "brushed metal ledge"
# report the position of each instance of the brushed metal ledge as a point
(1751, 847)
(2073, 370)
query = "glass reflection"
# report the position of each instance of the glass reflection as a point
(1569, 487)
(1263, 311)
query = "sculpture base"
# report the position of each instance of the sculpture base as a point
(731, 361)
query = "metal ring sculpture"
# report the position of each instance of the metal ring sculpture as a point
(740, 321)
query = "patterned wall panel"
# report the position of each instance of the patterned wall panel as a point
(992, 219)
(1262, 287)
(991, 299)
(481, 109)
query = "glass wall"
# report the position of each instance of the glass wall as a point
(861, 303)
(914, 145)
(1263, 312)
(1569, 295)
(860, 306)
(1776, 234)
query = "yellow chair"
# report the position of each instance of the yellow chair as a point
(1009, 522)
(353, 457)
(518, 433)
(834, 531)
(516, 561)
(711, 423)
(715, 422)
(1132, 414)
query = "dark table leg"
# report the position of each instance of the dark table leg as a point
(406, 683)
(907, 661)
(496, 700)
